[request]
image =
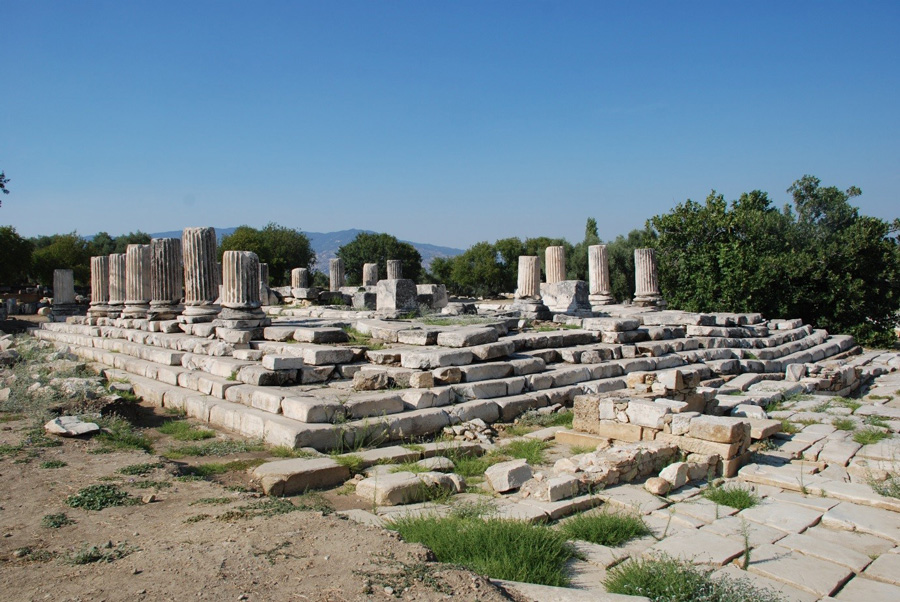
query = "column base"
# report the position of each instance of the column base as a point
(650, 301)
(135, 310)
(60, 311)
(599, 301)
(164, 311)
(98, 310)
(532, 309)
(242, 318)
(199, 314)
(115, 310)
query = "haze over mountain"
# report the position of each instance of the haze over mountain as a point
(326, 245)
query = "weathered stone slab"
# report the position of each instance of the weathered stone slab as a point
(719, 429)
(320, 335)
(855, 517)
(866, 590)
(507, 476)
(71, 426)
(631, 497)
(788, 592)
(807, 543)
(468, 336)
(734, 527)
(548, 593)
(287, 477)
(786, 517)
(698, 547)
(362, 406)
(813, 575)
(311, 409)
(321, 355)
(885, 568)
(282, 362)
(437, 358)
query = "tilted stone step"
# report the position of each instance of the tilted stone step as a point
(553, 339)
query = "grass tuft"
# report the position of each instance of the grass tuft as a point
(869, 435)
(733, 496)
(182, 430)
(843, 424)
(120, 435)
(789, 427)
(669, 580)
(500, 549)
(605, 528)
(139, 470)
(220, 447)
(107, 553)
(210, 469)
(531, 450)
(53, 464)
(55, 521)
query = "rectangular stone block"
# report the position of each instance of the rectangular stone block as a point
(282, 362)
(720, 429)
(311, 409)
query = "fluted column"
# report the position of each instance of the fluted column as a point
(394, 269)
(370, 274)
(117, 284)
(99, 287)
(137, 281)
(336, 273)
(556, 264)
(299, 278)
(598, 276)
(264, 283)
(201, 275)
(529, 283)
(646, 283)
(166, 274)
(241, 318)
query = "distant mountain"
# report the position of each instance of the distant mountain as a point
(326, 245)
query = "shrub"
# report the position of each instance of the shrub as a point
(733, 496)
(55, 521)
(98, 497)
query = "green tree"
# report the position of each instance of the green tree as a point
(620, 255)
(577, 264)
(16, 253)
(3, 182)
(61, 251)
(478, 272)
(508, 251)
(132, 238)
(102, 244)
(283, 249)
(378, 248)
(538, 246)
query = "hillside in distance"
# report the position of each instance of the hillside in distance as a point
(326, 245)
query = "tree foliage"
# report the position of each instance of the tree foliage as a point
(61, 251)
(3, 182)
(16, 253)
(283, 249)
(821, 261)
(378, 248)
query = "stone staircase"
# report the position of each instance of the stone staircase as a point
(294, 386)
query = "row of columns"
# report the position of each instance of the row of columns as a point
(369, 273)
(646, 278)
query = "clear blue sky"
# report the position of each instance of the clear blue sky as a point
(440, 122)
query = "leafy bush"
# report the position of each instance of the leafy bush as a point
(98, 497)
(605, 528)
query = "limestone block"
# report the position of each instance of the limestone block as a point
(362, 406)
(749, 411)
(657, 486)
(320, 355)
(417, 336)
(610, 324)
(484, 409)
(676, 474)
(418, 399)
(396, 295)
(417, 423)
(438, 358)
(507, 476)
(282, 362)
(490, 351)
(719, 429)
(391, 489)
(450, 375)
(489, 371)
(288, 477)
(311, 409)
(321, 335)
(698, 446)
(261, 377)
(467, 336)
(648, 413)
(71, 426)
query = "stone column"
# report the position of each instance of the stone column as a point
(63, 296)
(300, 278)
(241, 317)
(529, 284)
(528, 291)
(556, 264)
(116, 285)
(598, 277)
(394, 269)
(370, 274)
(137, 281)
(99, 287)
(264, 283)
(166, 275)
(201, 275)
(336, 273)
(646, 283)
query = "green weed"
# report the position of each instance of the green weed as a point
(733, 496)
(220, 447)
(98, 497)
(139, 470)
(605, 528)
(283, 451)
(181, 430)
(789, 427)
(843, 424)
(53, 464)
(500, 549)
(876, 421)
(120, 435)
(55, 521)
(352, 461)
(869, 435)
(531, 450)
(211, 469)
(848, 403)
(582, 449)
(107, 553)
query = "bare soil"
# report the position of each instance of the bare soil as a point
(201, 539)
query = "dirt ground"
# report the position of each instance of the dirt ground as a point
(194, 539)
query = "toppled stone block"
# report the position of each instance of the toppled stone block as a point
(647, 413)
(720, 429)
(287, 477)
(397, 295)
(676, 474)
(507, 476)
(468, 336)
(71, 426)
(398, 488)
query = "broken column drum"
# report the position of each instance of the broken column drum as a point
(370, 274)
(394, 269)
(137, 281)
(63, 296)
(116, 285)
(336, 274)
(201, 275)
(166, 274)
(299, 278)
(264, 283)
(528, 291)
(99, 287)
(598, 276)
(556, 264)
(240, 291)
(645, 278)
